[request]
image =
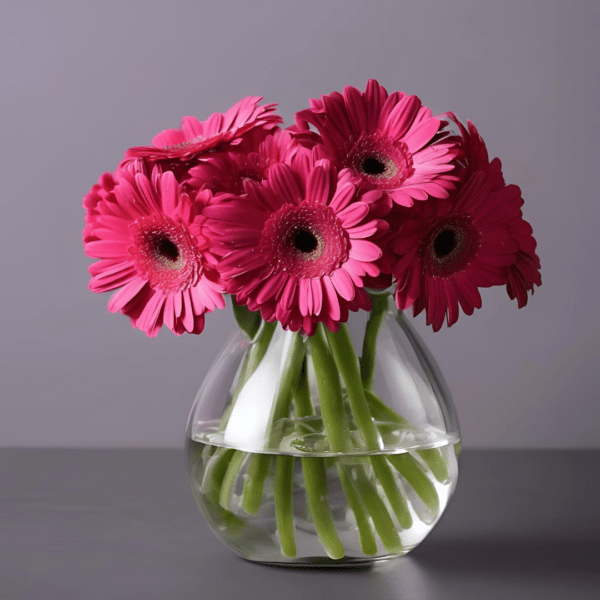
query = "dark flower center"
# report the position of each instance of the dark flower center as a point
(373, 166)
(165, 253)
(380, 161)
(444, 243)
(450, 244)
(167, 249)
(305, 241)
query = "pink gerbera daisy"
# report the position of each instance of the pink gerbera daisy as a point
(447, 251)
(147, 235)
(524, 273)
(474, 155)
(297, 247)
(228, 170)
(390, 142)
(196, 137)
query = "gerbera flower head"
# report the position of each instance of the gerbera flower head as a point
(298, 247)
(390, 142)
(448, 250)
(474, 154)
(229, 170)
(195, 137)
(148, 237)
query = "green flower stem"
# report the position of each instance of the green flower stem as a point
(258, 468)
(315, 483)
(292, 372)
(347, 365)
(432, 457)
(304, 408)
(302, 404)
(330, 393)
(381, 517)
(284, 512)
(382, 412)
(411, 471)
(366, 534)
(436, 462)
(233, 468)
(248, 321)
(397, 501)
(369, 350)
(216, 470)
(214, 513)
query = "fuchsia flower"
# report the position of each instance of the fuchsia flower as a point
(228, 170)
(148, 237)
(196, 137)
(523, 274)
(447, 251)
(298, 247)
(390, 142)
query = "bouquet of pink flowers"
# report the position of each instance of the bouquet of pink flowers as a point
(368, 196)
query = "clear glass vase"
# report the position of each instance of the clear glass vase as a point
(335, 449)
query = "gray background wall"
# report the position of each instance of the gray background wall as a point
(82, 82)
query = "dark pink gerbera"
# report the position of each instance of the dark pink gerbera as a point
(446, 251)
(524, 273)
(297, 248)
(229, 170)
(195, 137)
(390, 142)
(474, 155)
(147, 235)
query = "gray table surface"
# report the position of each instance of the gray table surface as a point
(122, 524)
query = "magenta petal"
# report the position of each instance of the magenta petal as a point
(187, 317)
(317, 292)
(353, 214)
(169, 192)
(401, 118)
(304, 296)
(169, 313)
(421, 135)
(150, 315)
(290, 292)
(317, 186)
(107, 248)
(284, 184)
(363, 231)
(119, 299)
(342, 197)
(343, 284)
(168, 137)
(191, 128)
(356, 108)
(146, 193)
(364, 251)
(333, 302)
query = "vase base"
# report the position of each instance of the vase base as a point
(327, 564)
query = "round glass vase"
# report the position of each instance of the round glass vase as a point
(334, 449)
